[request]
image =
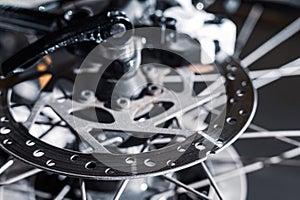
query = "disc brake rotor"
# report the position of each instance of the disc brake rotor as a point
(101, 161)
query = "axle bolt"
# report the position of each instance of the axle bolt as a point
(87, 95)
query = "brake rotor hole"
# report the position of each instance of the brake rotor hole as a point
(149, 163)
(90, 165)
(38, 153)
(5, 130)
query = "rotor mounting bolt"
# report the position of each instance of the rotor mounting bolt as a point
(123, 103)
(87, 95)
(155, 89)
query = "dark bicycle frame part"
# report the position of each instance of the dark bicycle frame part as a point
(95, 29)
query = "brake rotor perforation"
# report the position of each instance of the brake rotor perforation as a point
(82, 161)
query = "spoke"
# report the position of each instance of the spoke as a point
(194, 120)
(228, 160)
(20, 177)
(121, 189)
(283, 139)
(215, 103)
(216, 79)
(124, 183)
(248, 27)
(290, 69)
(61, 195)
(290, 163)
(268, 134)
(284, 156)
(252, 167)
(37, 193)
(256, 127)
(279, 38)
(7, 165)
(233, 173)
(264, 77)
(82, 126)
(197, 78)
(211, 139)
(175, 113)
(212, 181)
(83, 189)
(210, 94)
(212, 88)
(186, 187)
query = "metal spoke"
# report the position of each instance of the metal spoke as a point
(37, 193)
(248, 27)
(290, 69)
(215, 87)
(61, 195)
(197, 78)
(290, 163)
(83, 189)
(283, 139)
(262, 78)
(186, 187)
(121, 189)
(268, 134)
(216, 79)
(177, 113)
(215, 103)
(212, 181)
(7, 165)
(252, 167)
(20, 177)
(228, 160)
(279, 38)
